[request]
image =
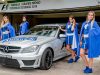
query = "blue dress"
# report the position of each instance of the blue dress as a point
(69, 34)
(23, 28)
(93, 39)
(85, 38)
(72, 36)
(7, 31)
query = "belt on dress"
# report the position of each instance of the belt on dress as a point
(6, 32)
(86, 36)
(70, 34)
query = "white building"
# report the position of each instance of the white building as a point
(49, 11)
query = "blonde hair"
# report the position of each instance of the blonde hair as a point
(3, 22)
(93, 16)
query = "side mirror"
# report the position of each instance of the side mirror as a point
(62, 35)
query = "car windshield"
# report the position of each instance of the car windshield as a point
(44, 31)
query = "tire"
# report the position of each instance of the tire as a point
(46, 60)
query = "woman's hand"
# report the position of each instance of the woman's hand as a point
(60, 27)
(81, 43)
(82, 35)
(2, 23)
(74, 23)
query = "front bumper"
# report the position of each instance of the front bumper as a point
(9, 62)
(24, 60)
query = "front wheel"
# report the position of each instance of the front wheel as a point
(46, 60)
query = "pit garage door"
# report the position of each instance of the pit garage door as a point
(52, 16)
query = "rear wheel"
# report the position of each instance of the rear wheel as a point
(47, 60)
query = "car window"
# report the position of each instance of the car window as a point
(44, 30)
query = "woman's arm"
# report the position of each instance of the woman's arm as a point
(74, 25)
(81, 34)
(62, 29)
(2, 23)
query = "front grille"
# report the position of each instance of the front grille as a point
(9, 49)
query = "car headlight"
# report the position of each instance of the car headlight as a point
(30, 49)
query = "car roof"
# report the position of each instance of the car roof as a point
(61, 24)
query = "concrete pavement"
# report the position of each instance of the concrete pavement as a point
(60, 67)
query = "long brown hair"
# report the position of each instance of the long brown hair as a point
(6, 17)
(74, 21)
(3, 22)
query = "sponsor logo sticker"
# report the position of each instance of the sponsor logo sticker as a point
(20, 39)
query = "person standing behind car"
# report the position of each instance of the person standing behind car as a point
(23, 26)
(6, 30)
(72, 38)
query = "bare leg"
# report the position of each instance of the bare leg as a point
(73, 54)
(71, 51)
(82, 54)
(90, 62)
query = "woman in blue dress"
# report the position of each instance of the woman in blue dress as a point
(89, 41)
(7, 30)
(24, 26)
(72, 38)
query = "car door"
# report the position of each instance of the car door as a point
(61, 37)
(60, 44)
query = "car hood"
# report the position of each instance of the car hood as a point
(26, 40)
